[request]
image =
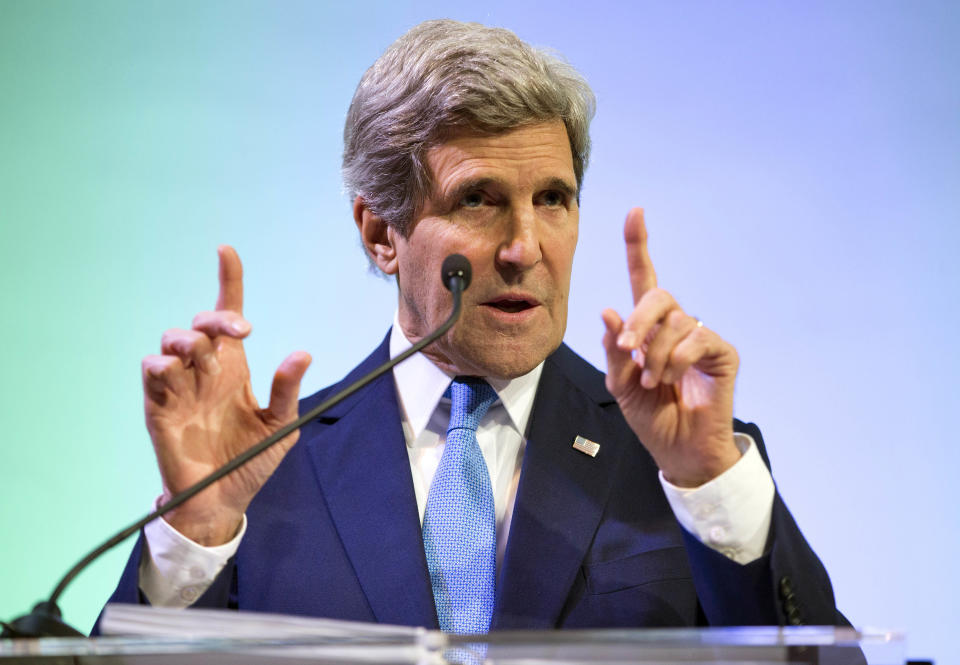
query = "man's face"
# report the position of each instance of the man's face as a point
(508, 203)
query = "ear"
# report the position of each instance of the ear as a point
(377, 237)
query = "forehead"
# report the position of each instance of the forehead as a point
(519, 157)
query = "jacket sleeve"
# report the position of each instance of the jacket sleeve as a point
(220, 594)
(786, 586)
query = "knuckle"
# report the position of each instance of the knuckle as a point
(636, 321)
(610, 384)
(676, 319)
(170, 335)
(202, 319)
(182, 341)
(157, 366)
(701, 335)
(734, 354)
(148, 364)
(661, 296)
(649, 299)
(680, 356)
(655, 358)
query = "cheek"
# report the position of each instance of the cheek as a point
(432, 240)
(413, 283)
(421, 283)
(562, 250)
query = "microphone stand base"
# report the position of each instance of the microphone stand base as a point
(43, 621)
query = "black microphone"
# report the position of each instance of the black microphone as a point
(456, 268)
(44, 620)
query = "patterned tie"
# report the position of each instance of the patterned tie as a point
(459, 524)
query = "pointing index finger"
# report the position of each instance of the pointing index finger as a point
(231, 280)
(642, 275)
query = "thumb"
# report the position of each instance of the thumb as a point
(286, 385)
(620, 364)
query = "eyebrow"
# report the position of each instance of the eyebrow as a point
(563, 186)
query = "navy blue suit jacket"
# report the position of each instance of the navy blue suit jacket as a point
(593, 543)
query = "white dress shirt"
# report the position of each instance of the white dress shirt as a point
(731, 513)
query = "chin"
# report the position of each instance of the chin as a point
(507, 361)
(508, 370)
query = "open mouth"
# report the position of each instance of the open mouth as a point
(511, 305)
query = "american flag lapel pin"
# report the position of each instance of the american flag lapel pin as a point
(586, 446)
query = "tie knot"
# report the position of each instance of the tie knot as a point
(470, 397)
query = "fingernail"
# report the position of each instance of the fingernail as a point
(627, 339)
(241, 327)
(646, 379)
(210, 364)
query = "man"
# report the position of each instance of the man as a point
(464, 139)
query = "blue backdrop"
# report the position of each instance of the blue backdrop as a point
(799, 164)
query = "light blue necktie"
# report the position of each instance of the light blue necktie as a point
(459, 524)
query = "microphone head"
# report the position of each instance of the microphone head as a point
(456, 267)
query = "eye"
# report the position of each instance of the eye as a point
(553, 198)
(472, 200)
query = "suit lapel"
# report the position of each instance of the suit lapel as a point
(362, 465)
(559, 503)
(363, 468)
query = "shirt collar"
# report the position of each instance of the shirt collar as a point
(421, 384)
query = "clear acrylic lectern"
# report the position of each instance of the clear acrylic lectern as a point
(174, 637)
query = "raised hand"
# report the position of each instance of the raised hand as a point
(201, 412)
(672, 377)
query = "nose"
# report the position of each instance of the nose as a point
(520, 247)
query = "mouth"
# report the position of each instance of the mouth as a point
(512, 303)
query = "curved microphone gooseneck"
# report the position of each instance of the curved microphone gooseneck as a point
(44, 620)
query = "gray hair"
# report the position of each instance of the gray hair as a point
(444, 77)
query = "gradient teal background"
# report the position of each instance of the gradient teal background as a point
(800, 167)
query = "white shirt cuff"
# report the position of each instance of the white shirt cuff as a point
(730, 514)
(174, 570)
